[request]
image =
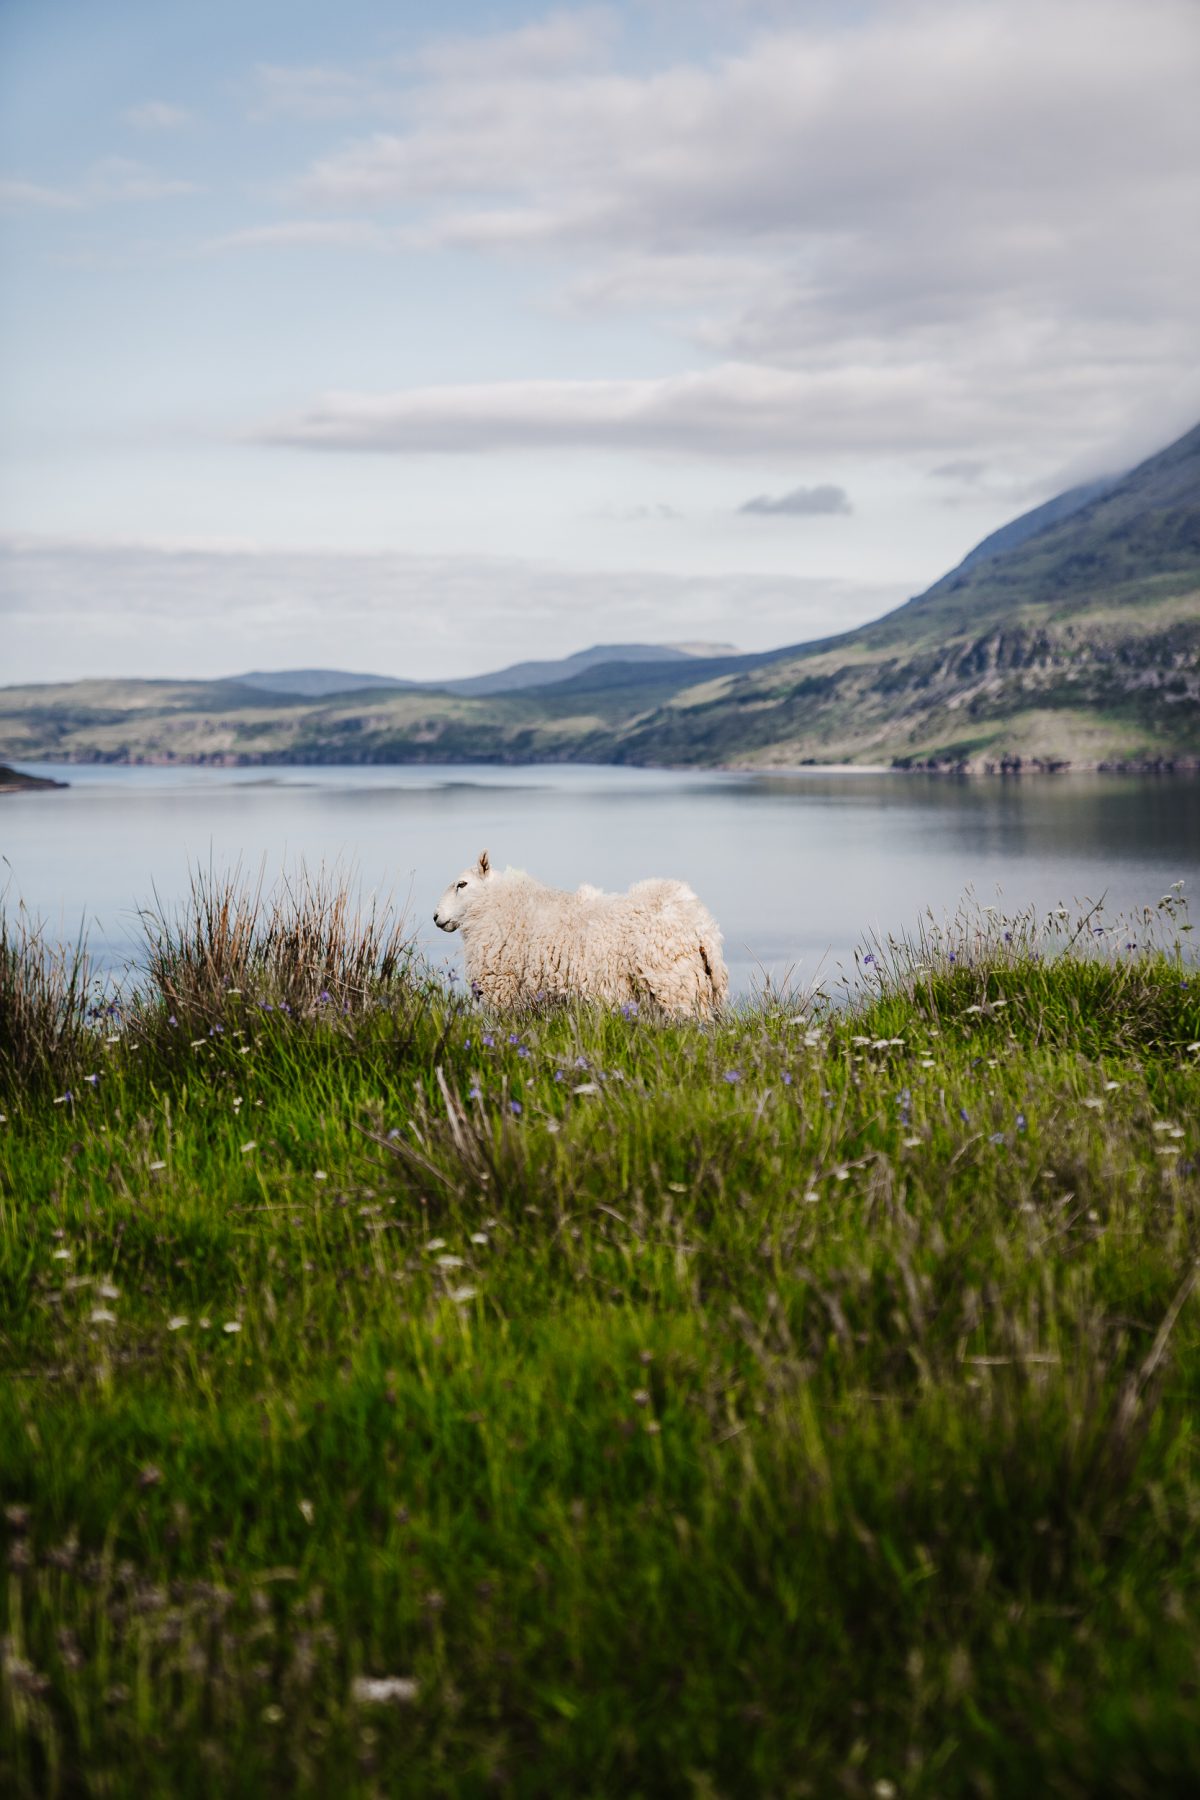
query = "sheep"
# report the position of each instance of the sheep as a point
(523, 941)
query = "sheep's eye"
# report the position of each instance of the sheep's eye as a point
(462, 884)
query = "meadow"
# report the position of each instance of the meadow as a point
(396, 1399)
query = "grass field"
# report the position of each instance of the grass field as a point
(396, 1400)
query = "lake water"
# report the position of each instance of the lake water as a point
(798, 868)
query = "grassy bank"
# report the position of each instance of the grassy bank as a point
(395, 1400)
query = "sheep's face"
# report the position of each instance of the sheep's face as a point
(456, 902)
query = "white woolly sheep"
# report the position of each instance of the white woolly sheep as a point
(523, 941)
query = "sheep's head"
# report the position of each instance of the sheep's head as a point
(456, 902)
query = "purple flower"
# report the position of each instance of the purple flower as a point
(172, 1020)
(629, 1010)
(953, 958)
(467, 1045)
(513, 1038)
(523, 1050)
(1020, 1121)
(92, 1078)
(997, 1137)
(515, 1106)
(323, 997)
(868, 958)
(475, 1093)
(733, 1076)
(787, 1078)
(964, 1115)
(488, 1039)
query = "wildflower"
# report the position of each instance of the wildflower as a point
(92, 1079)
(1020, 1121)
(436, 1244)
(371, 1690)
(178, 1322)
(63, 1098)
(171, 1019)
(629, 1010)
(487, 1039)
(733, 1076)
(100, 1315)
(585, 1087)
(475, 1093)
(320, 1175)
(247, 1147)
(60, 1255)
(1096, 1104)
(156, 1166)
(927, 1062)
(515, 1107)
(460, 1295)
(232, 1325)
(513, 1038)
(912, 1143)
(868, 959)
(307, 1511)
(787, 1078)
(997, 1137)
(449, 1262)
(479, 1237)
(964, 1115)
(523, 1050)
(107, 1291)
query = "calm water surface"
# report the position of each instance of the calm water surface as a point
(798, 868)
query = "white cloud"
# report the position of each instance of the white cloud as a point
(156, 115)
(992, 194)
(111, 181)
(300, 233)
(19, 195)
(71, 607)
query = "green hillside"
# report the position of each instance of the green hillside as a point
(1071, 638)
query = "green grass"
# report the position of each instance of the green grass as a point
(767, 1408)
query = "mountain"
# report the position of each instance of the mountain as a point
(320, 684)
(1070, 639)
(524, 675)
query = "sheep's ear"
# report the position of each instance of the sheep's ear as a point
(484, 863)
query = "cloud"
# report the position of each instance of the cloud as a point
(312, 92)
(970, 470)
(732, 410)
(73, 607)
(992, 193)
(156, 115)
(111, 181)
(802, 502)
(299, 233)
(16, 194)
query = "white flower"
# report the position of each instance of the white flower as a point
(450, 1262)
(460, 1295)
(246, 1148)
(155, 1166)
(586, 1087)
(101, 1316)
(382, 1690)
(232, 1325)
(320, 1175)
(436, 1244)
(479, 1237)
(912, 1143)
(107, 1291)
(60, 1255)
(178, 1322)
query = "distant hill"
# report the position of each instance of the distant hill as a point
(319, 684)
(1069, 639)
(313, 684)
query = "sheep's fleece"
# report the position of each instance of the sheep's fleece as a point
(524, 941)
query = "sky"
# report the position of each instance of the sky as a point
(425, 339)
